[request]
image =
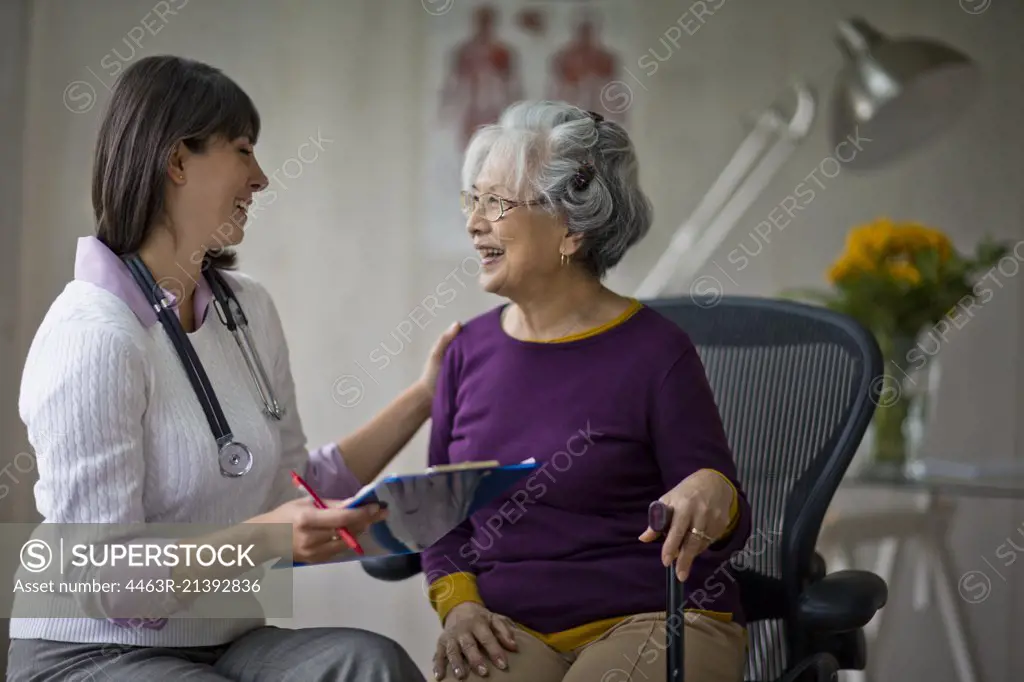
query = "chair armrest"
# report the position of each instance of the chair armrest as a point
(392, 568)
(842, 601)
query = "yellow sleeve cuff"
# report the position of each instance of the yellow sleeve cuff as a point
(449, 591)
(734, 508)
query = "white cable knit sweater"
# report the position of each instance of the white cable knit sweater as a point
(121, 438)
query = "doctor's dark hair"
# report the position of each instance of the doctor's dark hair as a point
(158, 102)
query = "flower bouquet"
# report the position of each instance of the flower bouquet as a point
(908, 285)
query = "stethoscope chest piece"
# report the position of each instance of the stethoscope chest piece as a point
(235, 459)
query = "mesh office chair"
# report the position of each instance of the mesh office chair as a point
(796, 387)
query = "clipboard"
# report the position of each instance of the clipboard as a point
(424, 507)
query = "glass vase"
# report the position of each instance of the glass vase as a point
(904, 405)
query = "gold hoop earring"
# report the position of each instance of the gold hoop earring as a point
(565, 259)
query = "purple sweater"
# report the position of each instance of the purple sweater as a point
(615, 420)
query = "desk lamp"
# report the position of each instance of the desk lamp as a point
(897, 92)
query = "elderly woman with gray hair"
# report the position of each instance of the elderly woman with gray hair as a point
(561, 579)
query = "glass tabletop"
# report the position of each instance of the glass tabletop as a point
(1009, 485)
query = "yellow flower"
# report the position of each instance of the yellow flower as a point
(904, 271)
(889, 249)
(848, 265)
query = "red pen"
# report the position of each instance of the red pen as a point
(343, 533)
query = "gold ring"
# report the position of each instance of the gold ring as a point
(702, 535)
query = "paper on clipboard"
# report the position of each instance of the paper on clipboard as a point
(423, 508)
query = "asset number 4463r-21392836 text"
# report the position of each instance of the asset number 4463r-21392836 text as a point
(195, 585)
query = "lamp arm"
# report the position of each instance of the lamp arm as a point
(723, 223)
(740, 183)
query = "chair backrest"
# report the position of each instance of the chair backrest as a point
(795, 385)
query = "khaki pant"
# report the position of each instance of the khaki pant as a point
(632, 651)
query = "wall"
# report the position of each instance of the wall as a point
(14, 17)
(13, 71)
(13, 68)
(340, 250)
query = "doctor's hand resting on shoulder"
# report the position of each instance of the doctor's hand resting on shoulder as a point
(158, 390)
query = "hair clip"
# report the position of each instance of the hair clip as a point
(581, 179)
(598, 118)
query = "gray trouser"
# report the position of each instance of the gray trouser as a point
(262, 655)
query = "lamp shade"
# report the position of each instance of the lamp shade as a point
(895, 94)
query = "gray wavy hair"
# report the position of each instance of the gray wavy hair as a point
(582, 167)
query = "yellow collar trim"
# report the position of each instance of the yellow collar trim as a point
(633, 309)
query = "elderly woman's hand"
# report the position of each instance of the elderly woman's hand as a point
(470, 630)
(701, 506)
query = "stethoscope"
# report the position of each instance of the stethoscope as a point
(235, 458)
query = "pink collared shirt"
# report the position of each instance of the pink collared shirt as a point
(95, 263)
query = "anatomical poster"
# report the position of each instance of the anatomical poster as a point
(483, 56)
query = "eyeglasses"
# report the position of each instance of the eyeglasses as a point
(494, 207)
